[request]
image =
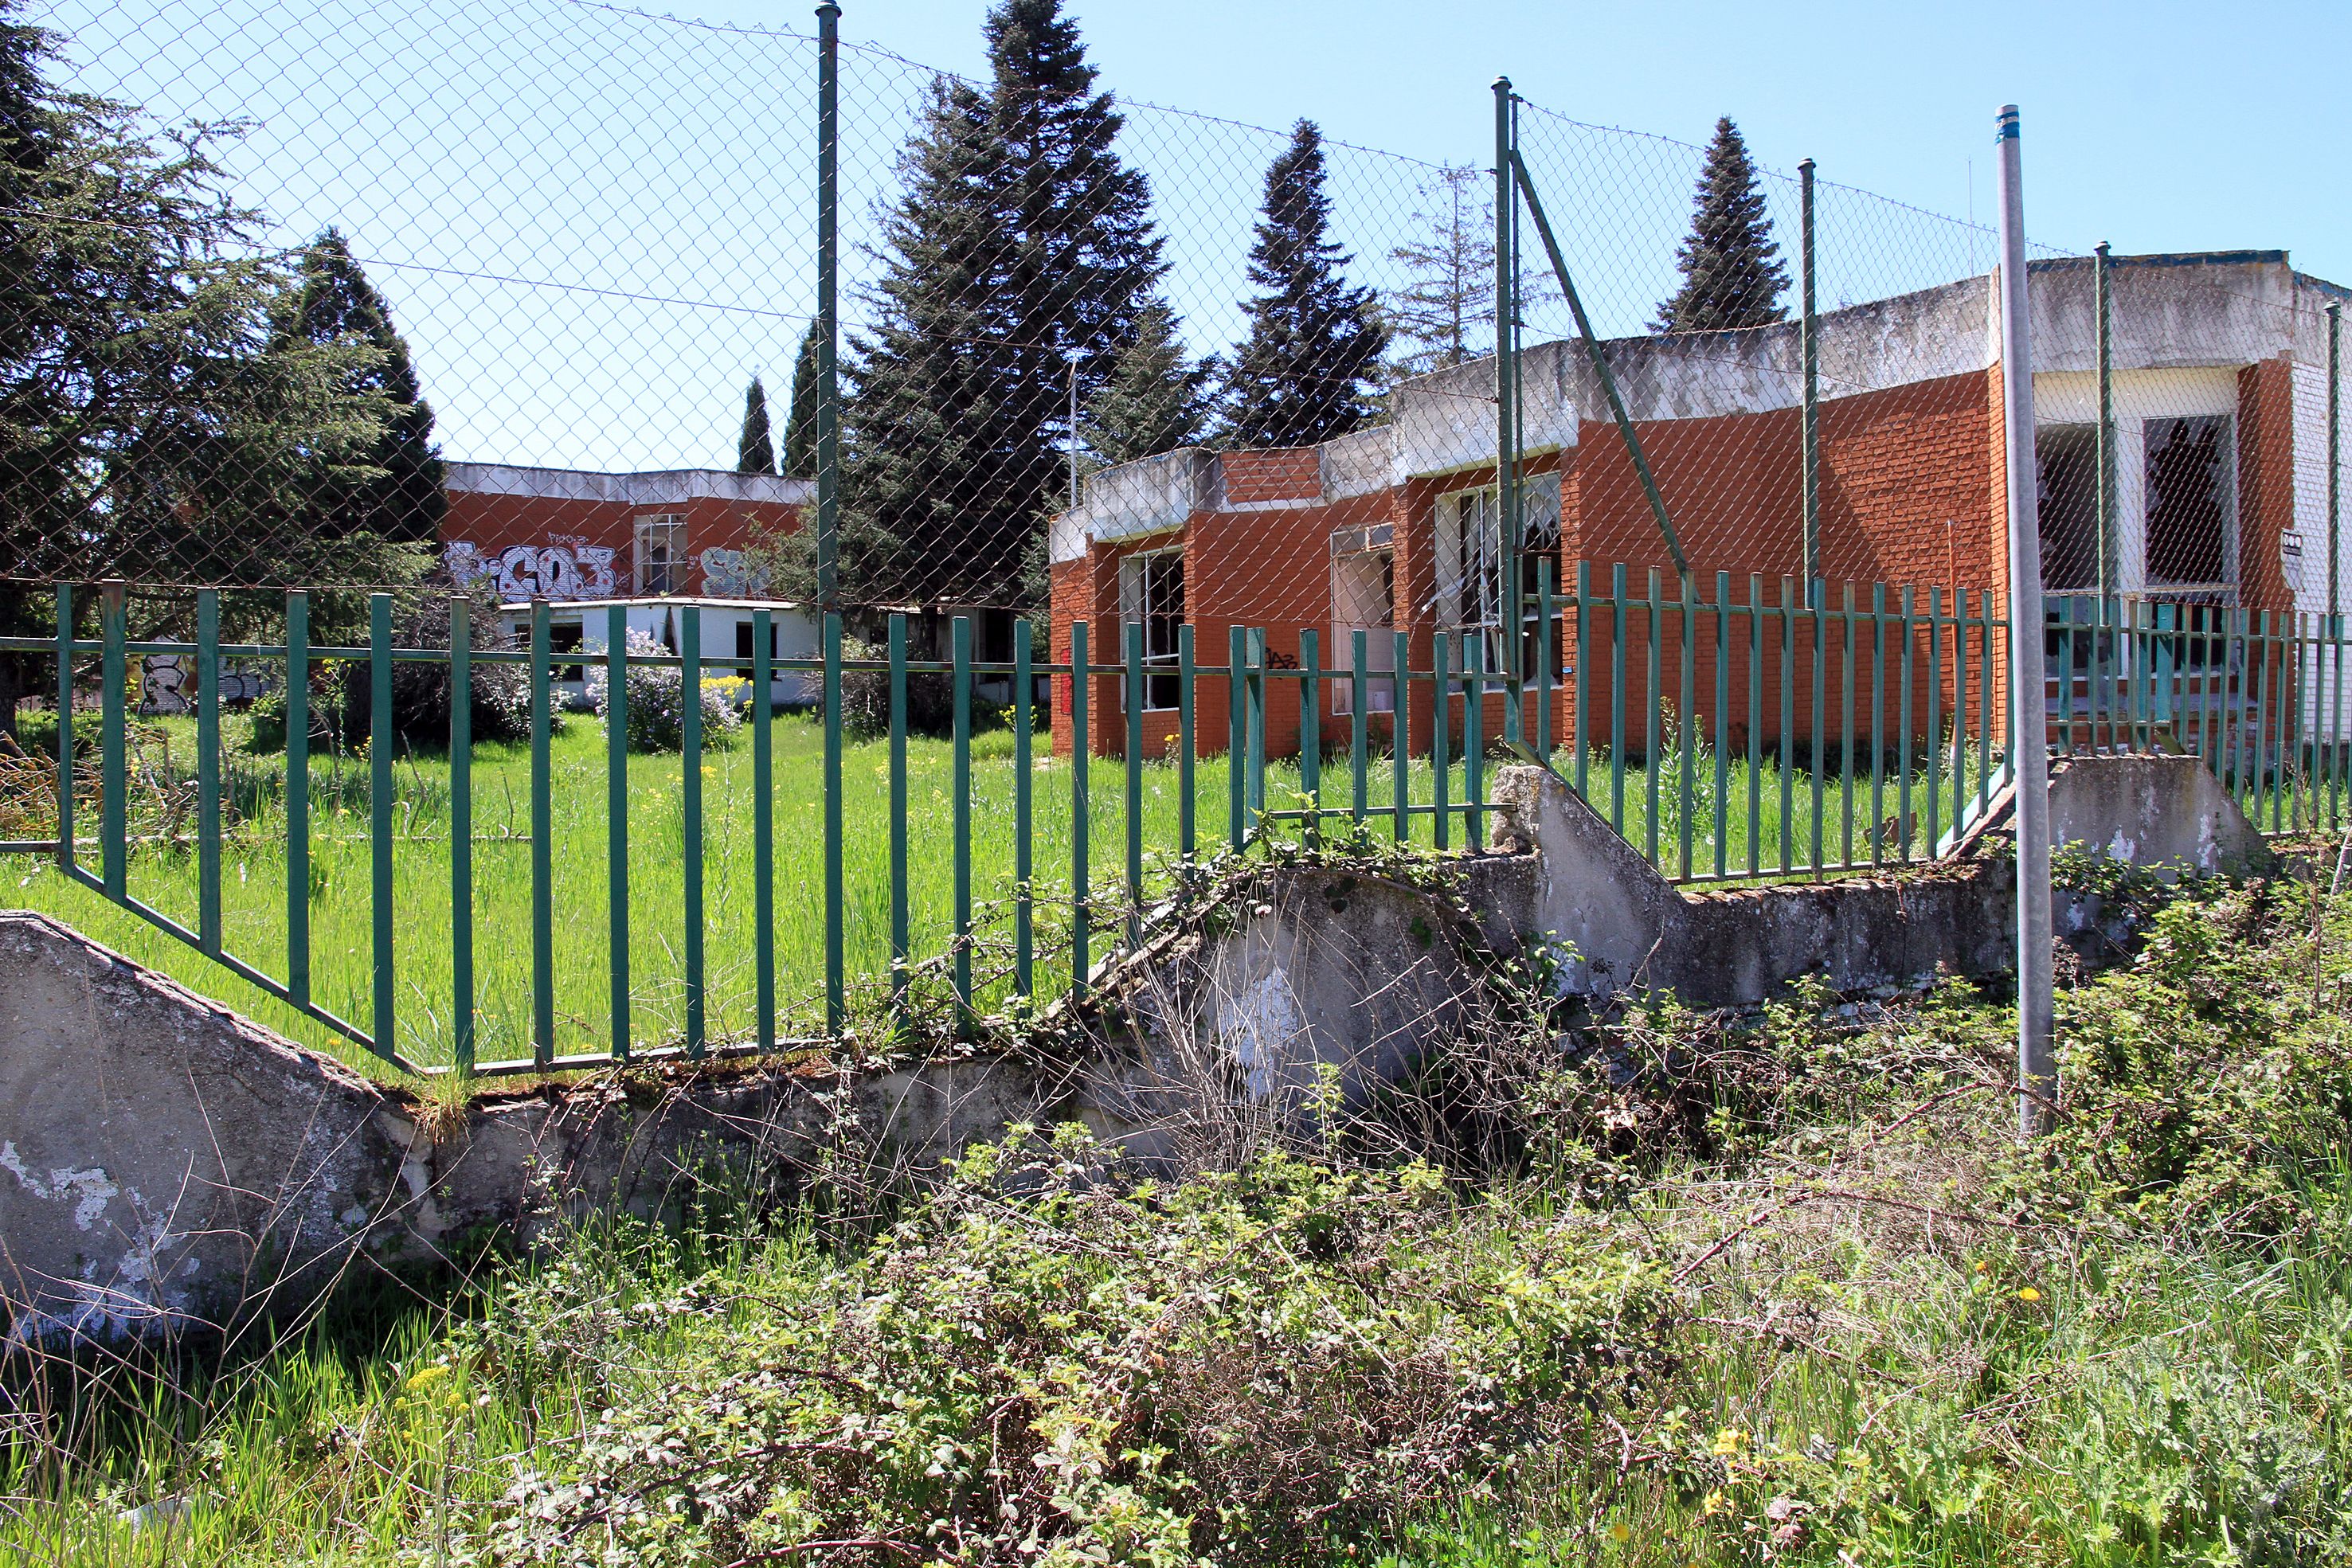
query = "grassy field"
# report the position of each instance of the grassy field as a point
(1779, 1291)
(254, 874)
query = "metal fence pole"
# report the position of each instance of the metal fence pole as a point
(828, 319)
(1506, 471)
(2029, 765)
(1809, 352)
(616, 820)
(542, 833)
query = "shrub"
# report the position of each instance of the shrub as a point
(1038, 1367)
(865, 695)
(657, 715)
(421, 688)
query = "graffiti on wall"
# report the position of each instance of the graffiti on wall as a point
(568, 569)
(726, 574)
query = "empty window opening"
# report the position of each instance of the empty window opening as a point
(661, 553)
(1364, 599)
(2190, 508)
(2067, 459)
(1151, 593)
(564, 637)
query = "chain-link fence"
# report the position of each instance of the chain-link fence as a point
(1170, 437)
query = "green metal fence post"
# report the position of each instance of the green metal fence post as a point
(1686, 759)
(1583, 675)
(1358, 696)
(1755, 723)
(828, 316)
(1934, 718)
(1310, 731)
(1132, 715)
(1721, 825)
(690, 824)
(1186, 807)
(65, 730)
(208, 811)
(1903, 735)
(381, 744)
(959, 653)
(1617, 696)
(1401, 735)
(1654, 703)
(1257, 665)
(542, 833)
(1438, 762)
(461, 837)
(1081, 895)
(763, 823)
(836, 1000)
(616, 821)
(1506, 365)
(114, 805)
(1474, 740)
(1788, 724)
(2105, 480)
(1845, 773)
(1237, 737)
(901, 944)
(1025, 691)
(1547, 665)
(297, 795)
(1817, 600)
(1877, 721)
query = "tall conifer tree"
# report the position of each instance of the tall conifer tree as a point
(1155, 400)
(755, 448)
(799, 418)
(1306, 372)
(337, 304)
(1020, 241)
(1732, 273)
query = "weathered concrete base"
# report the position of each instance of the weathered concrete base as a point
(165, 1163)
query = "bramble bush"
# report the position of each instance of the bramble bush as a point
(657, 713)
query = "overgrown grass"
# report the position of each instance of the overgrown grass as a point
(1780, 1288)
(337, 897)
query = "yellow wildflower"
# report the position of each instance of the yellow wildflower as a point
(2028, 1294)
(1728, 1441)
(1621, 1532)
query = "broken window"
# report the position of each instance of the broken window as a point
(2190, 508)
(1471, 591)
(1152, 592)
(1364, 599)
(2067, 459)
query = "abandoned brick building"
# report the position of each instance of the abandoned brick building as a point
(2218, 402)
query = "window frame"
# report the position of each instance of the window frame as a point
(672, 525)
(1138, 570)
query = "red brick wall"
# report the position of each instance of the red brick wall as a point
(493, 523)
(1283, 474)
(2265, 481)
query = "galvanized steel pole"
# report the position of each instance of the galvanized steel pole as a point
(1506, 467)
(2106, 446)
(2029, 704)
(829, 321)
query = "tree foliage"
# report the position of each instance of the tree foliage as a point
(1154, 401)
(800, 419)
(1019, 242)
(1305, 374)
(1731, 268)
(755, 448)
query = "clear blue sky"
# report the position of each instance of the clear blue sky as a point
(595, 225)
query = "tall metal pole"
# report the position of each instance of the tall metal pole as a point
(828, 319)
(1809, 348)
(1073, 433)
(2334, 467)
(1506, 357)
(2029, 704)
(2106, 448)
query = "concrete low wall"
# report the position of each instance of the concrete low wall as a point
(165, 1163)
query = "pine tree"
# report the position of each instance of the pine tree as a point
(1304, 373)
(337, 304)
(755, 448)
(1732, 273)
(800, 419)
(1154, 401)
(1447, 311)
(1019, 241)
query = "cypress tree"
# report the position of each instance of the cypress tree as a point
(1019, 242)
(1732, 273)
(799, 418)
(755, 448)
(1154, 400)
(1306, 372)
(404, 501)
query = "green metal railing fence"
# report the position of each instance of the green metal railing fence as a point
(1777, 733)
